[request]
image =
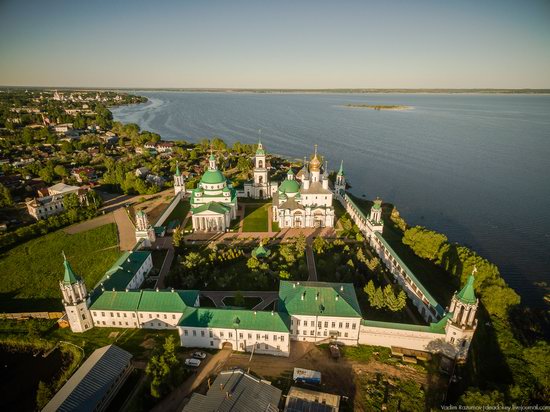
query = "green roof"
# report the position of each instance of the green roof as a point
(126, 301)
(319, 298)
(261, 251)
(438, 308)
(215, 207)
(70, 276)
(235, 319)
(146, 300)
(165, 301)
(212, 157)
(178, 170)
(467, 294)
(213, 177)
(341, 171)
(377, 204)
(123, 270)
(438, 327)
(289, 186)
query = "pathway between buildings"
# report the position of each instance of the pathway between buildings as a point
(218, 296)
(166, 265)
(310, 262)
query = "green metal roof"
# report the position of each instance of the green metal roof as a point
(235, 319)
(213, 177)
(215, 207)
(166, 301)
(377, 204)
(124, 301)
(146, 300)
(70, 276)
(432, 328)
(261, 251)
(467, 294)
(289, 186)
(341, 171)
(124, 269)
(319, 298)
(178, 170)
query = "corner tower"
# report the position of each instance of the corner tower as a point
(75, 299)
(462, 321)
(143, 229)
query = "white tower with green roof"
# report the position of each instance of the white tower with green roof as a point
(260, 187)
(462, 321)
(75, 299)
(179, 182)
(340, 183)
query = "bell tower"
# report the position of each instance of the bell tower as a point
(179, 183)
(462, 321)
(376, 211)
(340, 183)
(75, 299)
(261, 182)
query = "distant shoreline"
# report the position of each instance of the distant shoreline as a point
(379, 107)
(287, 91)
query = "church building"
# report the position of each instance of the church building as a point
(214, 201)
(305, 203)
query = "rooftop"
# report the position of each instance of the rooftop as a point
(123, 270)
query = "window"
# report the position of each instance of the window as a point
(221, 334)
(347, 325)
(298, 322)
(165, 316)
(95, 314)
(112, 314)
(158, 324)
(265, 346)
(282, 338)
(83, 316)
(250, 336)
(240, 335)
(340, 325)
(202, 333)
(194, 333)
(266, 337)
(291, 322)
(353, 325)
(275, 337)
(185, 332)
(210, 333)
(333, 324)
(278, 347)
(173, 316)
(211, 343)
(150, 316)
(118, 314)
(257, 346)
(319, 325)
(326, 324)
(345, 334)
(305, 322)
(230, 335)
(257, 336)
(126, 323)
(312, 332)
(325, 333)
(125, 315)
(103, 322)
(141, 315)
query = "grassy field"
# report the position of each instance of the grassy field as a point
(29, 273)
(255, 218)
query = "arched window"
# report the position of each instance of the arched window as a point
(261, 179)
(260, 164)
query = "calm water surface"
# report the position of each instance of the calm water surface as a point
(475, 167)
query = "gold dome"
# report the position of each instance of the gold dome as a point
(315, 163)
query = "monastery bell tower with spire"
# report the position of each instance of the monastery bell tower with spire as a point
(179, 183)
(75, 299)
(260, 186)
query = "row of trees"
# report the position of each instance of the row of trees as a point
(385, 298)
(163, 369)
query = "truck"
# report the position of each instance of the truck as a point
(306, 376)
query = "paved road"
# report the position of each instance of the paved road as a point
(90, 224)
(210, 366)
(126, 229)
(218, 296)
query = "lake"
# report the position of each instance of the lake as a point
(473, 166)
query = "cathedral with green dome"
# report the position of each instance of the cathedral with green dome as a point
(214, 201)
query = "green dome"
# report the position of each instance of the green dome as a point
(213, 177)
(289, 186)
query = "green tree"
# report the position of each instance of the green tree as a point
(319, 244)
(370, 290)
(161, 368)
(60, 171)
(238, 299)
(252, 263)
(283, 274)
(288, 253)
(71, 201)
(300, 245)
(5, 196)
(46, 174)
(177, 237)
(193, 260)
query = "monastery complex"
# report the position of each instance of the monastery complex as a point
(317, 312)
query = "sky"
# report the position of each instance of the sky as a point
(275, 44)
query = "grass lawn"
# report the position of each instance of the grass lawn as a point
(255, 218)
(30, 272)
(275, 227)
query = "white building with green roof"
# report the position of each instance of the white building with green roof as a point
(214, 201)
(307, 202)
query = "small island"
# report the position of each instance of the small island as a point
(378, 106)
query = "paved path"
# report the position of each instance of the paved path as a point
(312, 269)
(210, 366)
(126, 229)
(218, 296)
(90, 224)
(166, 265)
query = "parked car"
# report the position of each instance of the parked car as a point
(192, 362)
(199, 355)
